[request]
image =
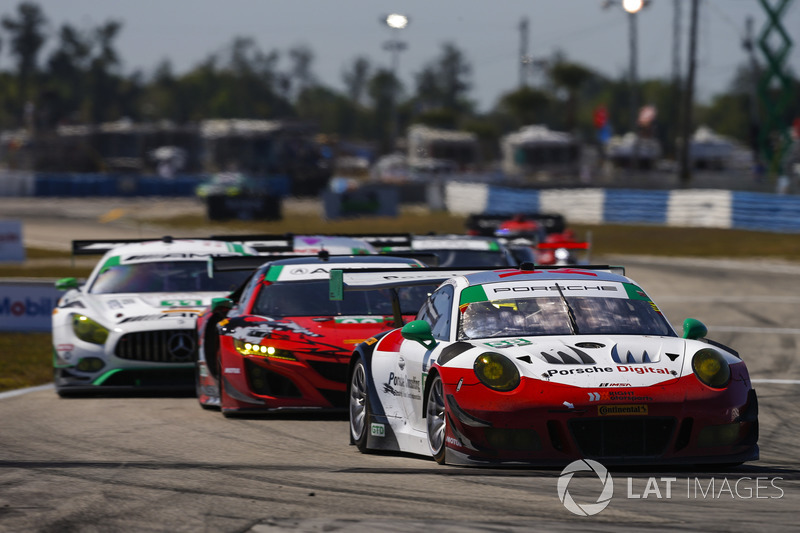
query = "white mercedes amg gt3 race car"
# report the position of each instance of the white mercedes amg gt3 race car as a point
(131, 325)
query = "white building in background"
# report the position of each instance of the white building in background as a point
(536, 150)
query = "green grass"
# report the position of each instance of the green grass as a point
(692, 242)
(25, 360)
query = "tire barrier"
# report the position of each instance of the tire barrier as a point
(684, 207)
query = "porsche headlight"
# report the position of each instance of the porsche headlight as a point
(264, 350)
(711, 368)
(496, 371)
(88, 330)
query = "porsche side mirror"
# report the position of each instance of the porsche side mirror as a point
(221, 305)
(419, 331)
(65, 284)
(694, 329)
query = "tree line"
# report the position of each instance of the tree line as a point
(81, 81)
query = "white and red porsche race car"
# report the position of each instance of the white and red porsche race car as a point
(544, 366)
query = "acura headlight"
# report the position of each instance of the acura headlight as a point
(711, 368)
(496, 371)
(249, 348)
(88, 330)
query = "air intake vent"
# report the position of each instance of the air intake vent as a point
(560, 357)
(159, 346)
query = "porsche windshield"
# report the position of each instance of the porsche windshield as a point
(311, 298)
(168, 276)
(561, 316)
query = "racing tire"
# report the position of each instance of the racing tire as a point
(358, 407)
(436, 420)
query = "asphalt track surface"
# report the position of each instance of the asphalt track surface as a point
(164, 464)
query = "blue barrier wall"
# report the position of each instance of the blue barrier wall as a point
(682, 207)
(777, 213)
(507, 201)
(625, 206)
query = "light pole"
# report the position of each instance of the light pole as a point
(395, 21)
(632, 8)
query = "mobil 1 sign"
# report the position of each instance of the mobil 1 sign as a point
(27, 305)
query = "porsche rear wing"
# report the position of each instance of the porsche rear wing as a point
(370, 278)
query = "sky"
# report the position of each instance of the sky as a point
(487, 31)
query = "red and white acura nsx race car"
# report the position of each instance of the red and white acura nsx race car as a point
(279, 342)
(544, 366)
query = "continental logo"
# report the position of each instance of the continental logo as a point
(615, 410)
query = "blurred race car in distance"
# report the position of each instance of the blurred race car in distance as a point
(280, 343)
(131, 325)
(487, 225)
(543, 239)
(543, 367)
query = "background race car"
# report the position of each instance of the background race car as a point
(281, 343)
(131, 325)
(456, 251)
(541, 238)
(544, 367)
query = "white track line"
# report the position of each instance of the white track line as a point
(20, 392)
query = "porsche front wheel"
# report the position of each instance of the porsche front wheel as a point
(359, 407)
(436, 420)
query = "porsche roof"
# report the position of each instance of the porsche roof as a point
(350, 280)
(563, 273)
